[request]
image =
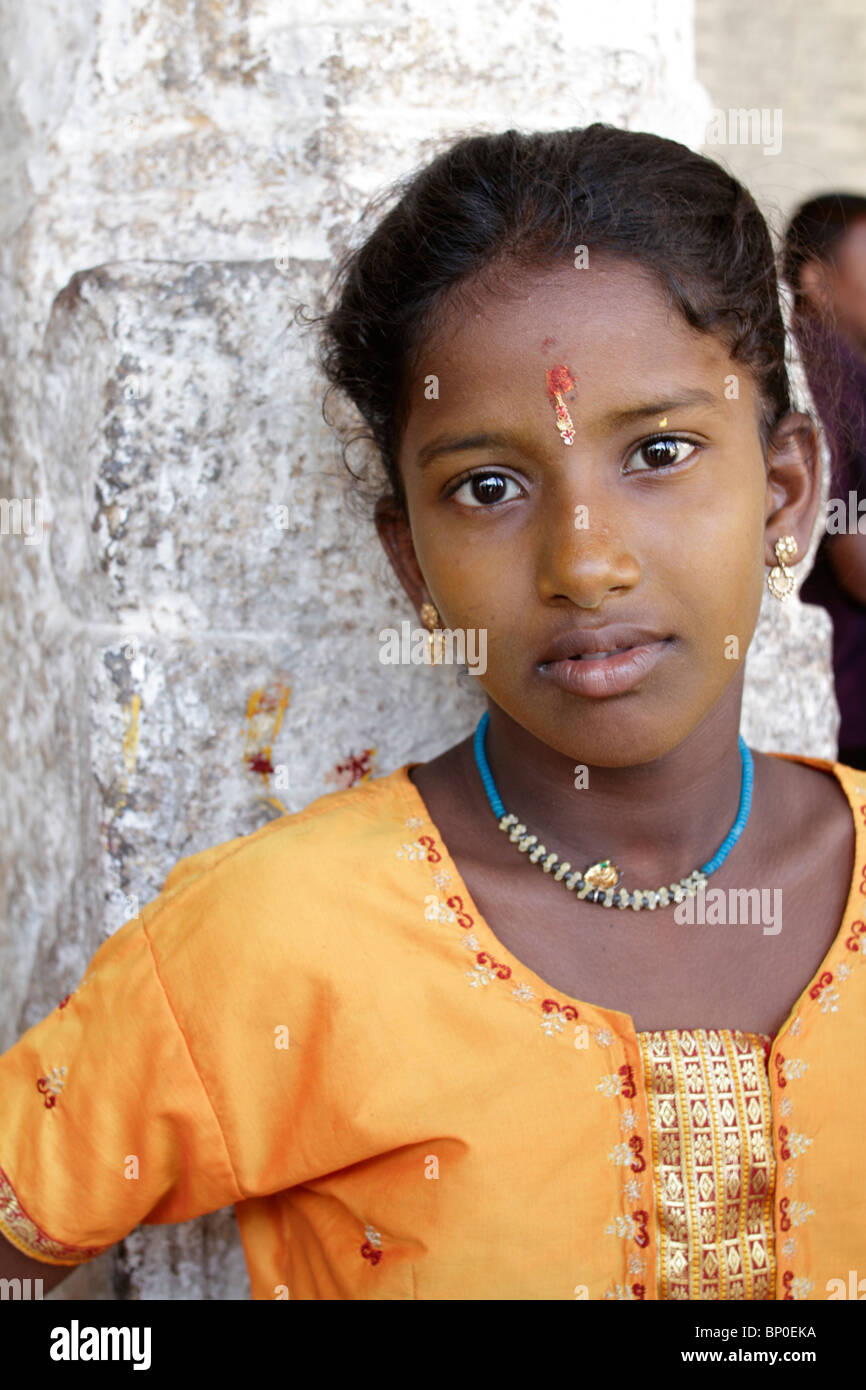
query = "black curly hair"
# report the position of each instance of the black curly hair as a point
(531, 198)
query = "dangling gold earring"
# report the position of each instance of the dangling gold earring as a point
(431, 620)
(780, 580)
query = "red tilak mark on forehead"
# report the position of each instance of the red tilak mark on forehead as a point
(560, 380)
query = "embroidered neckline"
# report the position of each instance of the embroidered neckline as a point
(414, 802)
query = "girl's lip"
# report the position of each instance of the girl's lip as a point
(598, 677)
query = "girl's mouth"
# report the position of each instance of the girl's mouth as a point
(600, 656)
(599, 675)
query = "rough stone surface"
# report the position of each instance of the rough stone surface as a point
(175, 180)
(805, 61)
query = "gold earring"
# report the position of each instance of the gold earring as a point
(431, 620)
(780, 580)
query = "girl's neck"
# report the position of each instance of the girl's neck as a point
(657, 820)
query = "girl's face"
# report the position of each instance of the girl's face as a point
(610, 530)
(847, 281)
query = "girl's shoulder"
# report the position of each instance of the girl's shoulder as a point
(312, 873)
(820, 782)
(348, 823)
(821, 811)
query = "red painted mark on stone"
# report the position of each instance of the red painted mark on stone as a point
(259, 762)
(354, 769)
(265, 709)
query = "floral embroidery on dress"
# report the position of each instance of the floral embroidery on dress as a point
(800, 1287)
(71, 995)
(415, 850)
(630, 1227)
(486, 968)
(825, 992)
(556, 1016)
(51, 1085)
(372, 1247)
(480, 974)
(799, 1212)
(619, 1083)
(854, 942)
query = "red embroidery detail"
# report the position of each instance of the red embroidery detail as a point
(432, 854)
(639, 1290)
(825, 979)
(628, 1087)
(462, 917)
(642, 1237)
(858, 929)
(783, 1134)
(863, 879)
(64, 1001)
(551, 1006)
(787, 1279)
(42, 1087)
(485, 958)
(371, 1253)
(780, 1061)
(636, 1146)
(785, 1220)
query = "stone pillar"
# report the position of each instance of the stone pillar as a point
(191, 633)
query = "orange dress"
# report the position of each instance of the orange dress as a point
(315, 1023)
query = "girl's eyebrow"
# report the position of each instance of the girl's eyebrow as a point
(457, 443)
(696, 397)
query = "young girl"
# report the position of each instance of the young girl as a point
(574, 1010)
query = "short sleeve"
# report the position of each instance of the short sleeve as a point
(105, 1122)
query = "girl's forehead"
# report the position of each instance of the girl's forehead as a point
(609, 321)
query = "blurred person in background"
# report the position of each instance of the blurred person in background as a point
(824, 262)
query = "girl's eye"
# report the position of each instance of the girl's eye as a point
(661, 453)
(484, 489)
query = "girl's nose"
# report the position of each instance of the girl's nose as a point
(583, 551)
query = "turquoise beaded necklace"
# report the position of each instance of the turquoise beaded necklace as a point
(601, 882)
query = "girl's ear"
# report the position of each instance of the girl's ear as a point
(395, 534)
(793, 483)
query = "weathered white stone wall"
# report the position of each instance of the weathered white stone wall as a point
(806, 61)
(176, 179)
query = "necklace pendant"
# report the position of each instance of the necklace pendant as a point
(604, 874)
